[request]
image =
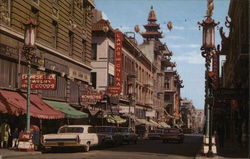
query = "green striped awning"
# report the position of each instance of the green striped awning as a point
(65, 108)
(115, 119)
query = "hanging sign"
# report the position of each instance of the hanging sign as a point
(39, 82)
(91, 97)
(118, 64)
(216, 66)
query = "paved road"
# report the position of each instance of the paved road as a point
(147, 149)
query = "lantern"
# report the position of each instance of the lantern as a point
(137, 29)
(30, 33)
(170, 25)
(208, 40)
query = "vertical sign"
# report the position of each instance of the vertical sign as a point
(216, 60)
(118, 62)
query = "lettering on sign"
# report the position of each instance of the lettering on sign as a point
(91, 97)
(39, 82)
(216, 69)
(118, 64)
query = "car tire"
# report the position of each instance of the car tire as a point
(86, 148)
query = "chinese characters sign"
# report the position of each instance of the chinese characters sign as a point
(39, 82)
(216, 69)
(116, 89)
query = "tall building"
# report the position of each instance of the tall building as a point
(63, 41)
(159, 55)
(233, 111)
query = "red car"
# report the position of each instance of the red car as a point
(172, 134)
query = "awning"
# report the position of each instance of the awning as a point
(164, 125)
(65, 108)
(16, 104)
(115, 119)
(143, 121)
(155, 123)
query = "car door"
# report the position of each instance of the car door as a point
(92, 135)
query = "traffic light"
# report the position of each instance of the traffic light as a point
(210, 80)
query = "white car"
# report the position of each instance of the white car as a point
(82, 136)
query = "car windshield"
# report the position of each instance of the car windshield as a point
(103, 129)
(71, 130)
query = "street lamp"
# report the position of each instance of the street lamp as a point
(208, 50)
(29, 53)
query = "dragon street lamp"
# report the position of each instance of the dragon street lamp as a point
(29, 53)
(208, 50)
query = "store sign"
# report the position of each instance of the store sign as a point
(150, 113)
(118, 63)
(79, 75)
(216, 63)
(91, 97)
(39, 82)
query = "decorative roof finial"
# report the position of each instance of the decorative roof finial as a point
(210, 7)
(152, 7)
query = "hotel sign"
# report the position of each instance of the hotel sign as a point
(39, 82)
(118, 64)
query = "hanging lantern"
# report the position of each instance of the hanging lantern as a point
(30, 33)
(170, 25)
(137, 29)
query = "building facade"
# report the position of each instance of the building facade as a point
(63, 46)
(233, 112)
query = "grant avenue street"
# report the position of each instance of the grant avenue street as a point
(146, 149)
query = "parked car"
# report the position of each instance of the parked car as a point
(82, 136)
(172, 134)
(108, 135)
(128, 136)
(155, 134)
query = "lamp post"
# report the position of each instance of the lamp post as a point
(208, 50)
(28, 51)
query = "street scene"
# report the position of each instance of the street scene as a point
(123, 79)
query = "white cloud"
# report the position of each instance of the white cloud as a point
(175, 37)
(124, 28)
(193, 57)
(184, 46)
(178, 27)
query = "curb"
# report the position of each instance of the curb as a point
(13, 155)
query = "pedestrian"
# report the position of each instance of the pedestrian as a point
(15, 136)
(5, 134)
(221, 134)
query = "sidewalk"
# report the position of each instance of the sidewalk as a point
(5, 153)
(231, 150)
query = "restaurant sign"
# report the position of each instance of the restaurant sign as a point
(39, 82)
(118, 64)
(91, 97)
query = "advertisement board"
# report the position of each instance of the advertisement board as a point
(39, 82)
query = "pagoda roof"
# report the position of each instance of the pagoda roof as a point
(151, 15)
(151, 34)
(152, 25)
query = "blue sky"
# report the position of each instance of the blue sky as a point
(184, 40)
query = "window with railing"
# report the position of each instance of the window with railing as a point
(111, 55)
(54, 33)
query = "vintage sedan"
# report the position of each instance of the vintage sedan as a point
(155, 134)
(82, 136)
(128, 136)
(172, 134)
(108, 135)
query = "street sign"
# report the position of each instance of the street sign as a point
(39, 81)
(230, 93)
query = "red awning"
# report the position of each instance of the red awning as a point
(15, 103)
